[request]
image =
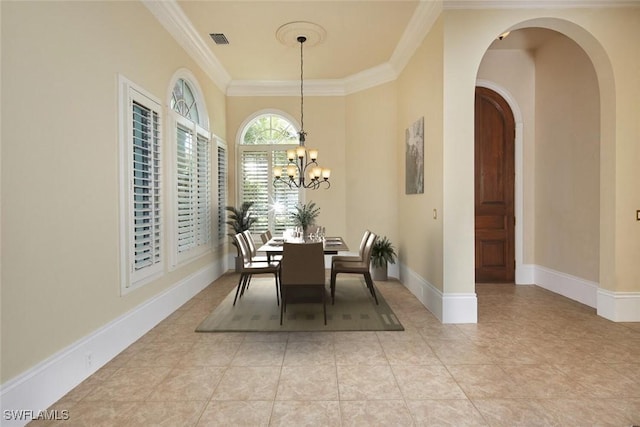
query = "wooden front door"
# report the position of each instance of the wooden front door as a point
(494, 188)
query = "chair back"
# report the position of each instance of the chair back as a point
(241, 242)
(250, 243)
(363, 242)
(302, 264)
(368, 248)
(265, 237)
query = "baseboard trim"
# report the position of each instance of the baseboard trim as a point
(576, 288)
(619, 306)
(525, 274)
(447, 307)
(45, 383)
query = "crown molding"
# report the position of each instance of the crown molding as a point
(173, 19)
(419, 26)
(538, 4)
(285, 88)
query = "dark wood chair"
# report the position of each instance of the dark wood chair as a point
(302, 269)
(355, 267)
(250, 267)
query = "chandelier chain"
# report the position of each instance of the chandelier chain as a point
(301, 86)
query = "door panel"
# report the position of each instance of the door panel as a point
(494, 188)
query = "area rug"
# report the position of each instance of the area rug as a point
(257, 311)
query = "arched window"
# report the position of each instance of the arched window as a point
(264, 141)
(192, 226)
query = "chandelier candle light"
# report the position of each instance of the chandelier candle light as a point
(302, 162)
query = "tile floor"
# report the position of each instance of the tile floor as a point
(534, 359)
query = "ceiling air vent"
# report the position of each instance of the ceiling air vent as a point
(219, 38)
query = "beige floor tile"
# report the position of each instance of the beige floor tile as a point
(602, 380)
(303, 383)
(236, 413)
(364, 382)
(210, 354)
(513, 412)
(375, 413)
(359, 353)
(305, 353)
(193, 383)
(248, 383)
(409, 353)
(426, 382)
(485, 381)
(129, 384)
(100, 414)
(166, 414)
(445, 412)
(260, 353)
(305, 413)
(583, 412)
(544, 382)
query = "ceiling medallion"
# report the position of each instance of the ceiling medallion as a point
(288, 33)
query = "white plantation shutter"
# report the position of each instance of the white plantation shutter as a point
(255, 186)
(193, 189)
(142, 257)
(203, 192)
(147, 218)
(185, 177)
(222, 191)
(285, 199)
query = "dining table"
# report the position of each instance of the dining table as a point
(332, 245)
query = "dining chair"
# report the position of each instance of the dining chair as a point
(302, 268)
(250, 267)
(265, 237)
(356, 267)
(252, 247)
(353, 258)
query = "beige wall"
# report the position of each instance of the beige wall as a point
(420, 95)
(371, 164)
(60, 190)
(567, 171)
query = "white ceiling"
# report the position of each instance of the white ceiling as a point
(367, 42)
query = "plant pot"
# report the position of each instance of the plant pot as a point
(379, 273)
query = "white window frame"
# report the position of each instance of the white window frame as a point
(269, 149)
(130, 277)
(174, 119)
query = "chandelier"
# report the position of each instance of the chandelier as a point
(303, 170)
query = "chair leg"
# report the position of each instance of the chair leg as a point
(278, 290)
(245, 284)
(324, 303)
(238, 288)
(283, 292)
(333, 286)
(367, 278)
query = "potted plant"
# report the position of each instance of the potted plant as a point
(382, 253)
(239, 220)
(305, 216)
